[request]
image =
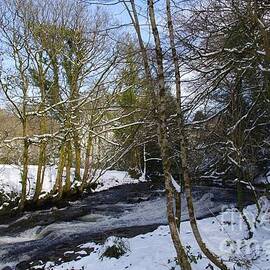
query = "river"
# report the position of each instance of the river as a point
(126, 210)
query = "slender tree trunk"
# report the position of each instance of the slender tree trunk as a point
(25, 169)
(40, 171)
(192, 217)
(181, 255)
(163, 140)
(41, 159)
(88, 161)
(136, 25)
(238, 138)
(42, 176)
(193, 222)
(77, 148)
(178, 100)
(134, 164)
(144, 162)
(183, 148)
(67, 185)
(149, 81)
(26, 142)
(58, 186)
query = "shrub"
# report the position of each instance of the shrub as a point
(114, 247)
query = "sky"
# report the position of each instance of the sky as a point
(120, 16)
(119, 13)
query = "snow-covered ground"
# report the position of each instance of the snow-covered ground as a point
(224, 234)
(10, 178)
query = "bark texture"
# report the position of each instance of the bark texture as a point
(163, 141)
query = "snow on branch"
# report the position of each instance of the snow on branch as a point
(176, 186)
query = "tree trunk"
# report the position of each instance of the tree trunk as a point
(24, 173)
(178, 100)
(163, 141)
(88, 161)
(149, 80)
(67, 185)
(41, 159)
(183, 148)
(40, 171)
(144, 162)
(193, 222)
(77, 148)
(58, 186)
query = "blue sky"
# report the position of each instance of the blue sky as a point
(119, 13)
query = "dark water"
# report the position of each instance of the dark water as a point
(126, 210)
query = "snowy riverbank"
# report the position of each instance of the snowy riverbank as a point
(224, 234)
(10, 178)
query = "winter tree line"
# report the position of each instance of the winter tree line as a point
(65, 89)
(84, 92)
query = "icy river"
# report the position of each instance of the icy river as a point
(126, 210)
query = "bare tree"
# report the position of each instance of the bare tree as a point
(162, 133)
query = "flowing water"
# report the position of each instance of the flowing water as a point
(126, 210)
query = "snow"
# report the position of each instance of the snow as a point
(10, 178)
(224, 234)
(175, 185)
(113, 178)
